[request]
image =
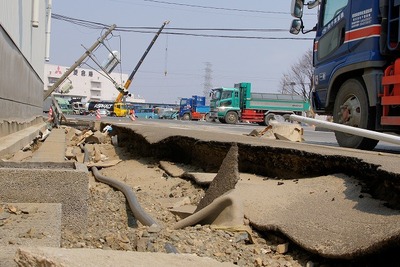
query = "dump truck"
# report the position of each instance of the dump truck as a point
(194, 108)
(357, 64)
(240, 104)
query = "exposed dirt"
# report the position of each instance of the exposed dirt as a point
(111, 224)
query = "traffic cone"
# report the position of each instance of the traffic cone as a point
(50, 113)
(132, 116)
(98, 114)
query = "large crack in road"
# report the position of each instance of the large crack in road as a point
(272, 162)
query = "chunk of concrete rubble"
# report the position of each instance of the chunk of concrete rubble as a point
(172, 169)
(69, 152)
(281, 131)
(96, 138)
(200, 178)
(282, 248)
(61, 257)
(225, 180)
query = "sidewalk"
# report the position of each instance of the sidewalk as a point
(53, 149)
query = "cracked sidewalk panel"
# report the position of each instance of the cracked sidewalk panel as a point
(225, 180)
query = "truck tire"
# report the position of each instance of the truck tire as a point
(231, 117)
(351, 108)
(186, 117)
(268, 117)
(286, 117)
(207, 117)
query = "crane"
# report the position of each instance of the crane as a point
(119, 107)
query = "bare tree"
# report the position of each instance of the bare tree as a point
(298, 79)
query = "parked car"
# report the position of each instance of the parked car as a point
(104, 112)
(146, 113)
(168, 115)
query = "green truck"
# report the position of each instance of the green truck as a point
(239, 104)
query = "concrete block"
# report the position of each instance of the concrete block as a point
(66, 186)
(287, 131)
(58, 257)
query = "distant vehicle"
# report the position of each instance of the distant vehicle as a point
(64, 104)
(104, 112)
(194, 108)
(146, 113)
(168, 115)
(78, 108)
(237, 104)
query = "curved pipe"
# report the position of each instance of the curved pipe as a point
(136, 209)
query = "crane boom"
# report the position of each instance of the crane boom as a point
(124, 90)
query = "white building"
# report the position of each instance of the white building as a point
(87, 84)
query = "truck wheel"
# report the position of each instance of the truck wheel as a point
(231, 117)
(268, 117)
(286, 117)
(351, 108)
(186, 117)
(207, 117)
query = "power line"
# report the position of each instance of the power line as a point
(218, 8)
(179, 31)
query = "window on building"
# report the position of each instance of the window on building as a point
(75, 72)
(95, 84)
(90, 73)
(52, 79)
(83, 73)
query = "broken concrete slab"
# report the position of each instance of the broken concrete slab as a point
(36, 183)
(53, 149)
(287, 131)
(327, 215)
(59, 257)
(226, 179)
(96, 138)
(200, 178)
(281, 131)
(205, 178)
(172, 169)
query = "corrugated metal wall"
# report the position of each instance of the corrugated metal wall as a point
(22, 51)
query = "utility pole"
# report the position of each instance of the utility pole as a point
(207, 85)
(78, 62)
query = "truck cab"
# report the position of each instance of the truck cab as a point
(224, 101)
(357, 66)
(193, 108)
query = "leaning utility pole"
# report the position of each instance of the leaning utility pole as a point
(78, 62)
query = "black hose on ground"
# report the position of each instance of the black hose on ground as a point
(136, 209)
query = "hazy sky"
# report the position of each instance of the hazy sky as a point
(259, 61)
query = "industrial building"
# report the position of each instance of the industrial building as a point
(85, 84)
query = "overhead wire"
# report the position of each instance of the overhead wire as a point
(219, 8)
(180, 31)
